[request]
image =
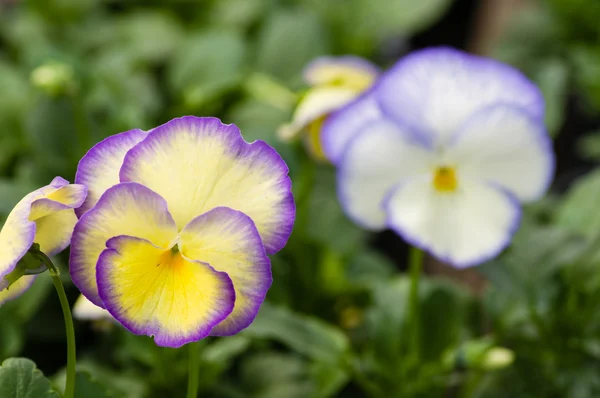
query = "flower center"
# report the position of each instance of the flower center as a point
(444, 179)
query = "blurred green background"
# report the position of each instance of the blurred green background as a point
(75, 71)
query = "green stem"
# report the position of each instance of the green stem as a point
(415, 269)
(70, 329)
(193, 372)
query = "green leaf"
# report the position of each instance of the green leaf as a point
(87, 387)
(587, 72)
(238, 13)
(19, 378)
(552, 77)
(385, 319)
(271, 375)
(288, 41)
(382, 19)
(224, 350)
(443, 330)
(53, 134)
(579, 210)
(208, 64)
(306, 335)
(150, 36)
(327, 223)
(589, 146)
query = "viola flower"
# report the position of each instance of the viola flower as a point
(443, 151)
(45, 216)
(174, 236)
(334, 81)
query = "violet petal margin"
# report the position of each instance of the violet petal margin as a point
(434, 90)
(99, 168)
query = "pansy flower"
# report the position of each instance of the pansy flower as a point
(174, 236)
(45, 216)
(443, 151)
(334, 82)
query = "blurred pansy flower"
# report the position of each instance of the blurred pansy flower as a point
(174, 236)
(443, 151)
(44, 217)
(85, 310)
(334, 82)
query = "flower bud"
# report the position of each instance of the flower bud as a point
(54, 78)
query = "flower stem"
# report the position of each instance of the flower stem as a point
(415, 268)
(193, 372)
(70, 329)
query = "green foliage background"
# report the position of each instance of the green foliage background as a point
(335, 321)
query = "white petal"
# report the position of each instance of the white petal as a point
(463, 228)
(317, 103)
(505, 146)
(85, 310)
(374, 161)
(436, 89)
(341, 126)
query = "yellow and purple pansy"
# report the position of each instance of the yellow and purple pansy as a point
(443, 150)
(45, 216)
(334, 82)
(174, 236)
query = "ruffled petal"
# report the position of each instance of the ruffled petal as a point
(124, 209)
(344, 124)
(435, 90)
(198, 164)
(463, 228)
(228, 240)
(99, 167)
(374, 161)
(506, 146)
(17, 288)
(317, 103)
(157, 292)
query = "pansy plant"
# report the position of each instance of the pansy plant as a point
(174, 235)
(443, 150)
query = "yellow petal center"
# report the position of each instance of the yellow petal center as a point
(444, 179)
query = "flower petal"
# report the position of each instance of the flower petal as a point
(85, 310)
(64, 198)
(198, 164)
(436, 89)
(156, 292)
(99, 167)
(373, 162)
(228, 240)
(124, 209)
(344, 124)
(316, 103)
(348, 71)
(17, 288)
(506, 146)
(54, 231)
(463, 228)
